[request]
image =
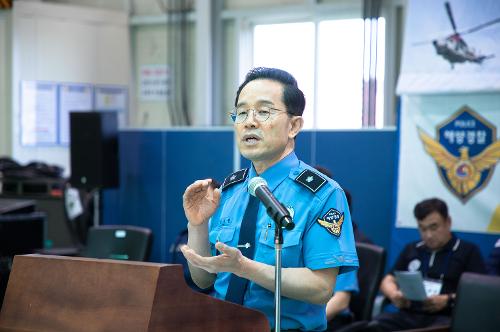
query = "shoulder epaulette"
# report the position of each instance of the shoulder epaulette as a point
(311, 180)
(235, 177)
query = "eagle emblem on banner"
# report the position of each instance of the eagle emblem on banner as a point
(465, 151)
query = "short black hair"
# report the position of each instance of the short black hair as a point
(293, 97)
(428, 206)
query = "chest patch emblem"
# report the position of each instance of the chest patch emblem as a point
(414, 265)
(332, 221)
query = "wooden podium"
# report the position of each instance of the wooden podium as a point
(56, 293)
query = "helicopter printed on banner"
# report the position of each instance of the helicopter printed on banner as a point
(465, 151)
(453, 48)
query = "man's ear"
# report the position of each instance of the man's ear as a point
(296, 124)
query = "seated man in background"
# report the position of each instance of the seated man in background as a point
(337, 309)
(441, 258)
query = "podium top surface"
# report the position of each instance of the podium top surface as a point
(95, 260)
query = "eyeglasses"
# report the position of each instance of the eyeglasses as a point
(262, 113)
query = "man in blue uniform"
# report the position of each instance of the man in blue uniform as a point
(267, 118)
(337, 309)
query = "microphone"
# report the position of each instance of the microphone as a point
(257, 187)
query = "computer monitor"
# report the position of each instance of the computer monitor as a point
(22, 233)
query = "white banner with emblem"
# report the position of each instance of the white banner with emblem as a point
(450, 149)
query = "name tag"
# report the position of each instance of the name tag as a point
(432, 287)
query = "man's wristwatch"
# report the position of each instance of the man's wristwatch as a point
(451, 301)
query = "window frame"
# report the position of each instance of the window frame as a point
(245, 21)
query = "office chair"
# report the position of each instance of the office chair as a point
(118, 242)
(476, 308)
(371, 269)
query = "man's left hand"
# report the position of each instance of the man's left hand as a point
(230, 260)
(435, 303)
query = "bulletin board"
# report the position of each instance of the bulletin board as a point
(61, 52)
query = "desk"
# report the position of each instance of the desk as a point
(11, 206)
(48, 198)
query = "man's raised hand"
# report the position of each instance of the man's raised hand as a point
(200, 200)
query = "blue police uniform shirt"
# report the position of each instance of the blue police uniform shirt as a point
(322, 237)
(347, 282)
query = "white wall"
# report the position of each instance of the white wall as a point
(64, 43)
(150, 32)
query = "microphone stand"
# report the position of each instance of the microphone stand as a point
(278, 244)
(282, 219)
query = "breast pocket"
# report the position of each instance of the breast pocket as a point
(221, 234)
(291, 251)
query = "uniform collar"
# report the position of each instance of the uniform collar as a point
(451, 245)
(275, 174)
